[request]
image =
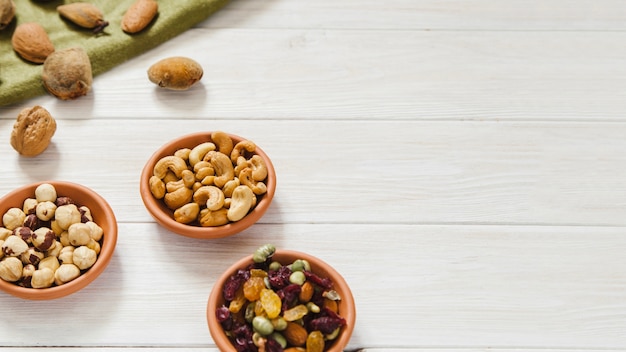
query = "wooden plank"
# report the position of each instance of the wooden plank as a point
(423, 15)
(436, 286)
(371, 172)
(370, 75)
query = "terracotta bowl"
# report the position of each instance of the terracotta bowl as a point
(102, 215)
(346, 305)
(165, 216)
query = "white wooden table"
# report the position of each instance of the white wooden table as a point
(461, 163)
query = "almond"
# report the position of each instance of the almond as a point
(306, 292)
(295, 334)
(139, 15)
(31, 42)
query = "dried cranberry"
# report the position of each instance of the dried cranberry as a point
(279, 278)
(242, 338)
(224, 317)
(322, 282)
(272, 345)
(233, 283)
(326, 324)
(289, 295)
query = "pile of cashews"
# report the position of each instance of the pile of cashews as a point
(213, 183)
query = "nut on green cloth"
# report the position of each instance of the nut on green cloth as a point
(20, 80)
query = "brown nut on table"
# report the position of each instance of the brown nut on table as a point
(32, 131)
(176, 73)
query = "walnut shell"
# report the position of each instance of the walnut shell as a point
(32, 131)
(31, 42)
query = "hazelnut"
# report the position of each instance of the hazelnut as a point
(13, 218)
(67, 215)
(11, 269)
(66, 273)
(14, 246)
(84, 257)
(4, 233)
(85, 214)
(29, 205)
(27, 275)
(96, 230)
(55, 249)
(66, 255)
(45, 210)
(51, 263)
(32, 221)
(32, 256)
(45, 192)
(24, 233)
(79, 234)
(42, 278)
(43, 238)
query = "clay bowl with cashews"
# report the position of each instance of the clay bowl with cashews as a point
(208, 185)
(100, 213)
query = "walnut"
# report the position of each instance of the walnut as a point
(32, 131)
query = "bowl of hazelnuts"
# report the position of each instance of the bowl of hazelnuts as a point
(56, 237)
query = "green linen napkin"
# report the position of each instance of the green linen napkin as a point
(21, 80)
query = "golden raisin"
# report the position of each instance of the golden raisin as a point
(252, 288)
(271, 303)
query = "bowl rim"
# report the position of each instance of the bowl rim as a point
(109, 242)
(347, 299)
(155, 206)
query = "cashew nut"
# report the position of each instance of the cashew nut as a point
(183, 153)
(199, 151)
(157, 187)
(212, 196)
(187, 213)
(213, 218)
(230, 186)
(246, 178)
(224, 170)
(259, 169)
(240, 148)
(174, 163)
(223, 141)
(178, 198)
(241, 203)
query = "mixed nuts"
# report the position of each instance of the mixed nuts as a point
(49, 241)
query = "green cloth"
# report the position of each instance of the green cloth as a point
(20, 80)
